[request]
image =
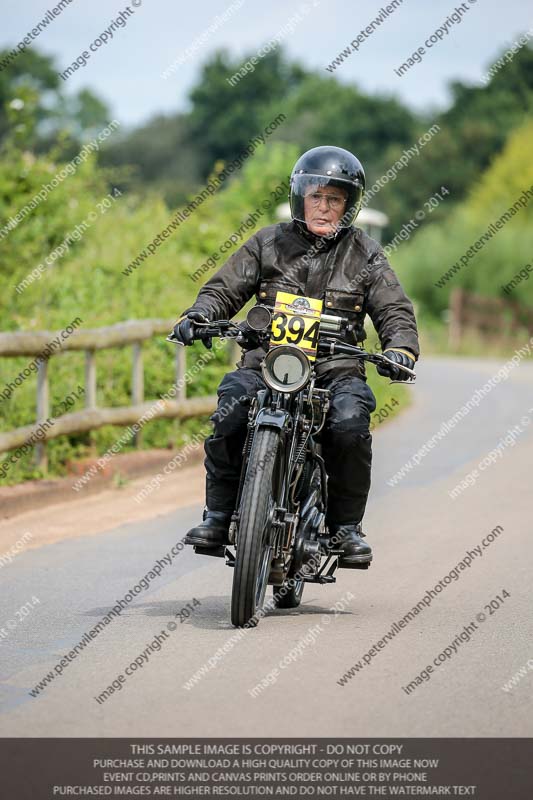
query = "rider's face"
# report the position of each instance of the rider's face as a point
(323, 208)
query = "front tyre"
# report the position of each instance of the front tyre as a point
(254, 549)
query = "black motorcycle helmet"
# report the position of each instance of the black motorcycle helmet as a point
(327, 166)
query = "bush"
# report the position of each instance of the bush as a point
(423, 260)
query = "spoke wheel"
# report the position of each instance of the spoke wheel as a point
(254, 548)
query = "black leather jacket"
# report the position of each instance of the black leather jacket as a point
(350, 273)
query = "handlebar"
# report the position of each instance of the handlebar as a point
(223, 329)
(226, 329)
(333, 347)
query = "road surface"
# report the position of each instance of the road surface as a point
(419, 535)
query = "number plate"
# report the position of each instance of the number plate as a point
(296, 321)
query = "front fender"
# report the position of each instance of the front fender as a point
(266, 418)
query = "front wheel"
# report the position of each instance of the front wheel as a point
(254, 549)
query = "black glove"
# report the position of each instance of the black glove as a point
(184, 328)
(400, 356)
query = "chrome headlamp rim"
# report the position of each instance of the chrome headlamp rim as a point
(269, 377)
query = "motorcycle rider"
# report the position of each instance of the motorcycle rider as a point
(319, 254)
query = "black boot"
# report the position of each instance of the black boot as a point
(348, 538)
(212, 532)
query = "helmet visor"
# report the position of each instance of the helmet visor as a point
(333, 201)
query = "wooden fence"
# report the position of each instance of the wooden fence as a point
(132, 333)
(495, 318)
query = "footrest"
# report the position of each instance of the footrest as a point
(320, 579)
(218, 552)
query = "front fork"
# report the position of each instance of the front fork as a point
(273, 410)
(265, 411)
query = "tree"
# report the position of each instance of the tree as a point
(473, 132)
(161, 154)
(225, 117)
(35, 112)
(505, 251)
(323, 111)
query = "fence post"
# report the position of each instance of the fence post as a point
(137, 384)
(43, 411)
(90, 379)
(90, 391)
(181, 368)
(456, 318)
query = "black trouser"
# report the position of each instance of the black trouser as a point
(346, 442)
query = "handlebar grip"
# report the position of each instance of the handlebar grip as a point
(200, 333)
(385, 362)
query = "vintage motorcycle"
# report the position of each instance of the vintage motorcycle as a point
(278, 527)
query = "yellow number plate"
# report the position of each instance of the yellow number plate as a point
(296, 320)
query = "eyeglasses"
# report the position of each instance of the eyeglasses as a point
(334, 201)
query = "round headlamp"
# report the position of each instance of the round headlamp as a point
(286, 368)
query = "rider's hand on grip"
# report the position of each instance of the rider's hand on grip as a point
(399, 356)
(184, 329)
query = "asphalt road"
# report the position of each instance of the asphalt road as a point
(418, 533)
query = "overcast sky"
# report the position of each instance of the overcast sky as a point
(126, 72)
